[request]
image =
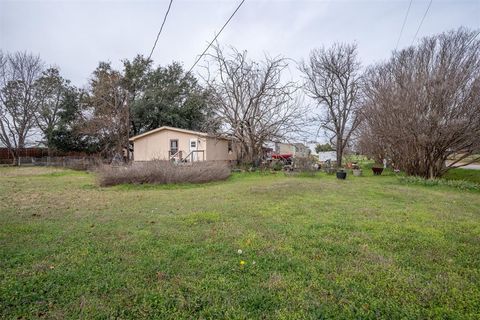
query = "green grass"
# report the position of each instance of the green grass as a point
(459, 184)
(365, 248)
(463, 174)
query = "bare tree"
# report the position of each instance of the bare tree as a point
(18, 102)
(422, 107)
(333, 79)
(252, 100)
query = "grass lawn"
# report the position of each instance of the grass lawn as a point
(463, 174)
(368, 247)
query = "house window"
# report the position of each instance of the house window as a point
(173, 146)
(193, 144)
(230, 148)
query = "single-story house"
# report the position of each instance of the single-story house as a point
(169, 143)
(297, 150)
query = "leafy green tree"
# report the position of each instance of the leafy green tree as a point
(67, 135)
(134, 81)
(120, 104)
(170, 97)
(323, 147)
(54, 94)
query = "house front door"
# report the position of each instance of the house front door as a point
(193, 148)
(173, 148)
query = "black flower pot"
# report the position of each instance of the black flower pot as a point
(341, 175)
(377, 171)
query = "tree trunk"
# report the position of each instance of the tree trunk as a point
(339, 151)
(21, 146)
(15, 158)
(49, 142)
(431, 172)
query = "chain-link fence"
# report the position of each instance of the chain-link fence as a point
(79, 163)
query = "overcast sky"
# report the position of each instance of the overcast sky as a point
(75, 35)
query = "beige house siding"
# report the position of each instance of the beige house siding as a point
(297, 150)
(217, 150)
(301, 151)
(156, 145)
(284, 148)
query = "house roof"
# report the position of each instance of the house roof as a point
(296, 144)
(197, 133)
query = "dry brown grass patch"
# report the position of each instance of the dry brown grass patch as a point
(162, 172)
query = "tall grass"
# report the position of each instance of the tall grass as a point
(162, 172)
(458, 184)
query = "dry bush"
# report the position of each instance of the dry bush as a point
(162, 172)
(305, 166)
(423, 105)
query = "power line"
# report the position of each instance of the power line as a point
(421, 22)
(215, 38)
(403, 25)
(161, 28)
(473, 38)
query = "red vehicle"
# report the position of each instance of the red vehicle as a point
(286, 158)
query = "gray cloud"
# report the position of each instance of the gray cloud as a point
(76, 35)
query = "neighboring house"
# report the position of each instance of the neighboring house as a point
(168, 143)
(297, 150)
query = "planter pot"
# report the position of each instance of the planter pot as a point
(341, 175)
(357, 172)
(377, 171)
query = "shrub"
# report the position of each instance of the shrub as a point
(305, 166)
(277, 165)
(162, 172)
(458, 184)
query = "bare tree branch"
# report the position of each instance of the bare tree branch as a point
(333, 79)
(422, 107)
(253, 100)
(18, 102)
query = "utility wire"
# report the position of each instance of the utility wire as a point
(421, 22)
(403, 25)
(215, 38)
(161, 28)
(473, 38)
